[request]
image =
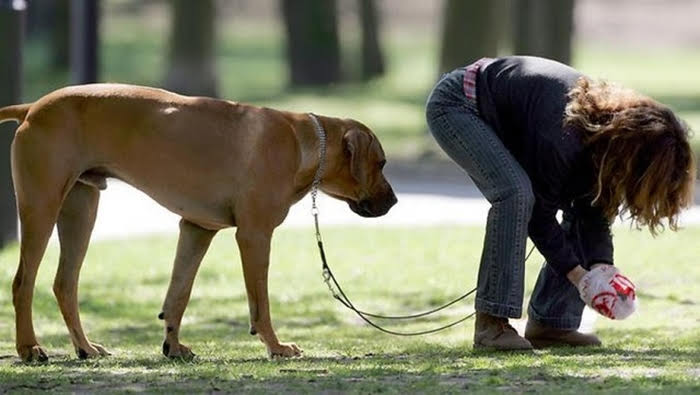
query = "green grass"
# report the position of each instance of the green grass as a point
(251, 65)
(387, 269)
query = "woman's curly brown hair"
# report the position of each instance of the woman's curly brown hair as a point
(643, 161)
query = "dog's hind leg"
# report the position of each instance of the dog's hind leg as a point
(191, 247)
(35, 233)
(75, 223)
(40, 181)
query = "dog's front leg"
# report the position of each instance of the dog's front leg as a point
(254, 246)
(191, 247)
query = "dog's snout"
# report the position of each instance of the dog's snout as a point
(375, 206)
(366, 205)
(393, 199)
(363, 208)
(388, 202)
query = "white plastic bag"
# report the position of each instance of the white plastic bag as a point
(608, 292)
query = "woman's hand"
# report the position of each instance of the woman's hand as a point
(575, 274)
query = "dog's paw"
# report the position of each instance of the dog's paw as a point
(32, 353)
(177, 351)
(94, 350)
(284, 350)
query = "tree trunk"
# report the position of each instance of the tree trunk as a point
(561, 35)
(470, 31)
(38, 19)
(60, 35)
(313, 49)
(49, 21)
(11, 29)
(84, 54)
(544, 28)
(372, 57)
(191, 63)
(503, 12)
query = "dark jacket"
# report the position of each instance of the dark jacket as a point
(523, 99)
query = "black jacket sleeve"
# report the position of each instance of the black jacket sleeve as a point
(555, 169)
(549, 237)
(594, 234)
(588, 241)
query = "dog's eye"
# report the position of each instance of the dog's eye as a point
(382, 163)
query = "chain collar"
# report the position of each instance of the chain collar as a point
(321, 134)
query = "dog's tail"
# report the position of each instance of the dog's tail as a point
(14, 113)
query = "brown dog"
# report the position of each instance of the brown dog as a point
(215, 163)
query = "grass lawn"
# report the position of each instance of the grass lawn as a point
(387, 269)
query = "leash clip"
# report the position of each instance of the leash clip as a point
(327, 279)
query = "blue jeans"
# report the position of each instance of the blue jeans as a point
(458, 128)
(555, 302)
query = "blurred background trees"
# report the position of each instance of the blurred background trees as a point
(544, 28)
(314, 40)
(12, 31)
(49, 20)
(372, 54)
(313, 46)
(470, 31)
(84, 42)
(191, 68)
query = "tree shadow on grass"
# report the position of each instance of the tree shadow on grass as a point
(394, 372)
(416, 366)
(219, 329)
(230, 360)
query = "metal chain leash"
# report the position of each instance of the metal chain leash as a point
(321, 134)
(330, 280)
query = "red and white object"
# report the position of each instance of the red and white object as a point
(608, 292)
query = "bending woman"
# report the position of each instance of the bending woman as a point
(537, 136)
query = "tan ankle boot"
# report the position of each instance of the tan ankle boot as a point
(542, 336)
(496, 333)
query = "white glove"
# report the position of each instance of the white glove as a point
(608, 292)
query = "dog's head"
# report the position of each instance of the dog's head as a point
(356, 177)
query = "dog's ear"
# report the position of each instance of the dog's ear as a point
(355, 144)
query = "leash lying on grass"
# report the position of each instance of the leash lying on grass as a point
(333, 284)
(340, 295)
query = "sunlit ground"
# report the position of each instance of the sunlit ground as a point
(386, 269)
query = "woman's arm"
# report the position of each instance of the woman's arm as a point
(560, 173)
(593, 231)
(550, 239)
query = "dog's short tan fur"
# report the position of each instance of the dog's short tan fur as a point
(215, 163)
